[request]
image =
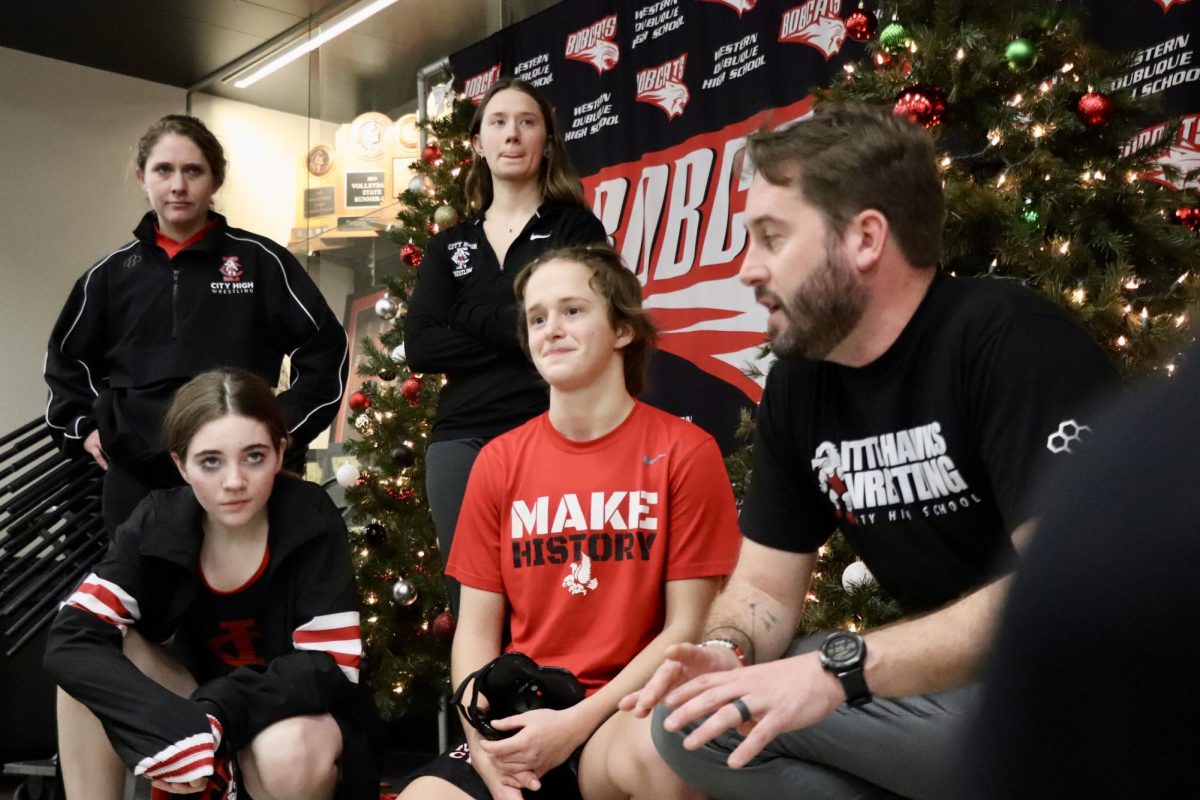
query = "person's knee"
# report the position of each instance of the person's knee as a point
(297, 757)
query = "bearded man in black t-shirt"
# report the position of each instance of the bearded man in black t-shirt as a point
(911, 410)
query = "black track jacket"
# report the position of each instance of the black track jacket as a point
(138, 325)
(148, 581)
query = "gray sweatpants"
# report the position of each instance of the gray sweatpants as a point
(905, 748)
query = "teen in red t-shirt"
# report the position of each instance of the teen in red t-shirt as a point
(592, 538)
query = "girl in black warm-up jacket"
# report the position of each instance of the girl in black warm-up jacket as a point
(249, 570)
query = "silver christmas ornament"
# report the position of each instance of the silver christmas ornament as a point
(404, 592)
(387, 307)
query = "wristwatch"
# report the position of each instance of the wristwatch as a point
(844, 654)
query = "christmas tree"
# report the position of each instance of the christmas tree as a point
(407, 625)
(1042, 182)
(1042, 185)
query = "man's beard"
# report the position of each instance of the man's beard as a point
(822, 311)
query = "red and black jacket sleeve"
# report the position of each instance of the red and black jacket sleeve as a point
(156, 733)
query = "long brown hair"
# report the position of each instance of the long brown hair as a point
(219, 393)
(557, 180)
(619, 287)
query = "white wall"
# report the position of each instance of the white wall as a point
(266, 151)
(68, 197)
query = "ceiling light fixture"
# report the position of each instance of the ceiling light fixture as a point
(312, 39)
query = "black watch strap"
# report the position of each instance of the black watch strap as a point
(845, 655)
(855, 685)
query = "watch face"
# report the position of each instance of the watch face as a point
(842, 650)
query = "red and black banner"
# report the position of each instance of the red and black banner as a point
(655, 99)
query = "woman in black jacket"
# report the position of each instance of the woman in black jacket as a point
(462, 318)
(249, 570)
(189, 293)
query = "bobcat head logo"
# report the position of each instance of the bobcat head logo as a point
(806, 24)
(663, 86)
(594, 44)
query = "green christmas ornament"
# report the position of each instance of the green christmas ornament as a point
(1020, 54)
(1030, 215)
(895, 37)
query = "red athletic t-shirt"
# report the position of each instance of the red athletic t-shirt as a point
(581, 536)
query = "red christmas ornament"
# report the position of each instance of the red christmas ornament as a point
(1095, 108)
(921, 104)
(444, 625)
(1188, 217)
(359, 401)
(431, 154)
(411, 390)
(862, 25)
(399, 496)
(411, 255)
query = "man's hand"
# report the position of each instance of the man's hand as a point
(545, 738)
(92, 445)
(780, 696)
(683, 663)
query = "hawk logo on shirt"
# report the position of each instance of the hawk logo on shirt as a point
(580, 581)
(594, 44)
(828, 464)
(815, 24)
(663, 86)
(740, 6)
(231, 269)
(460, 254)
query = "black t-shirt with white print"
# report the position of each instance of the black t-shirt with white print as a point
(926, 457)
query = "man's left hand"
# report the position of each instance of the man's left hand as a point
(780, 696)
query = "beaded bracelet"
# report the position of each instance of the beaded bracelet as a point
(728, 644)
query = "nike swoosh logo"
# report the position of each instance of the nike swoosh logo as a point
(539, 236)
(648, 460)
